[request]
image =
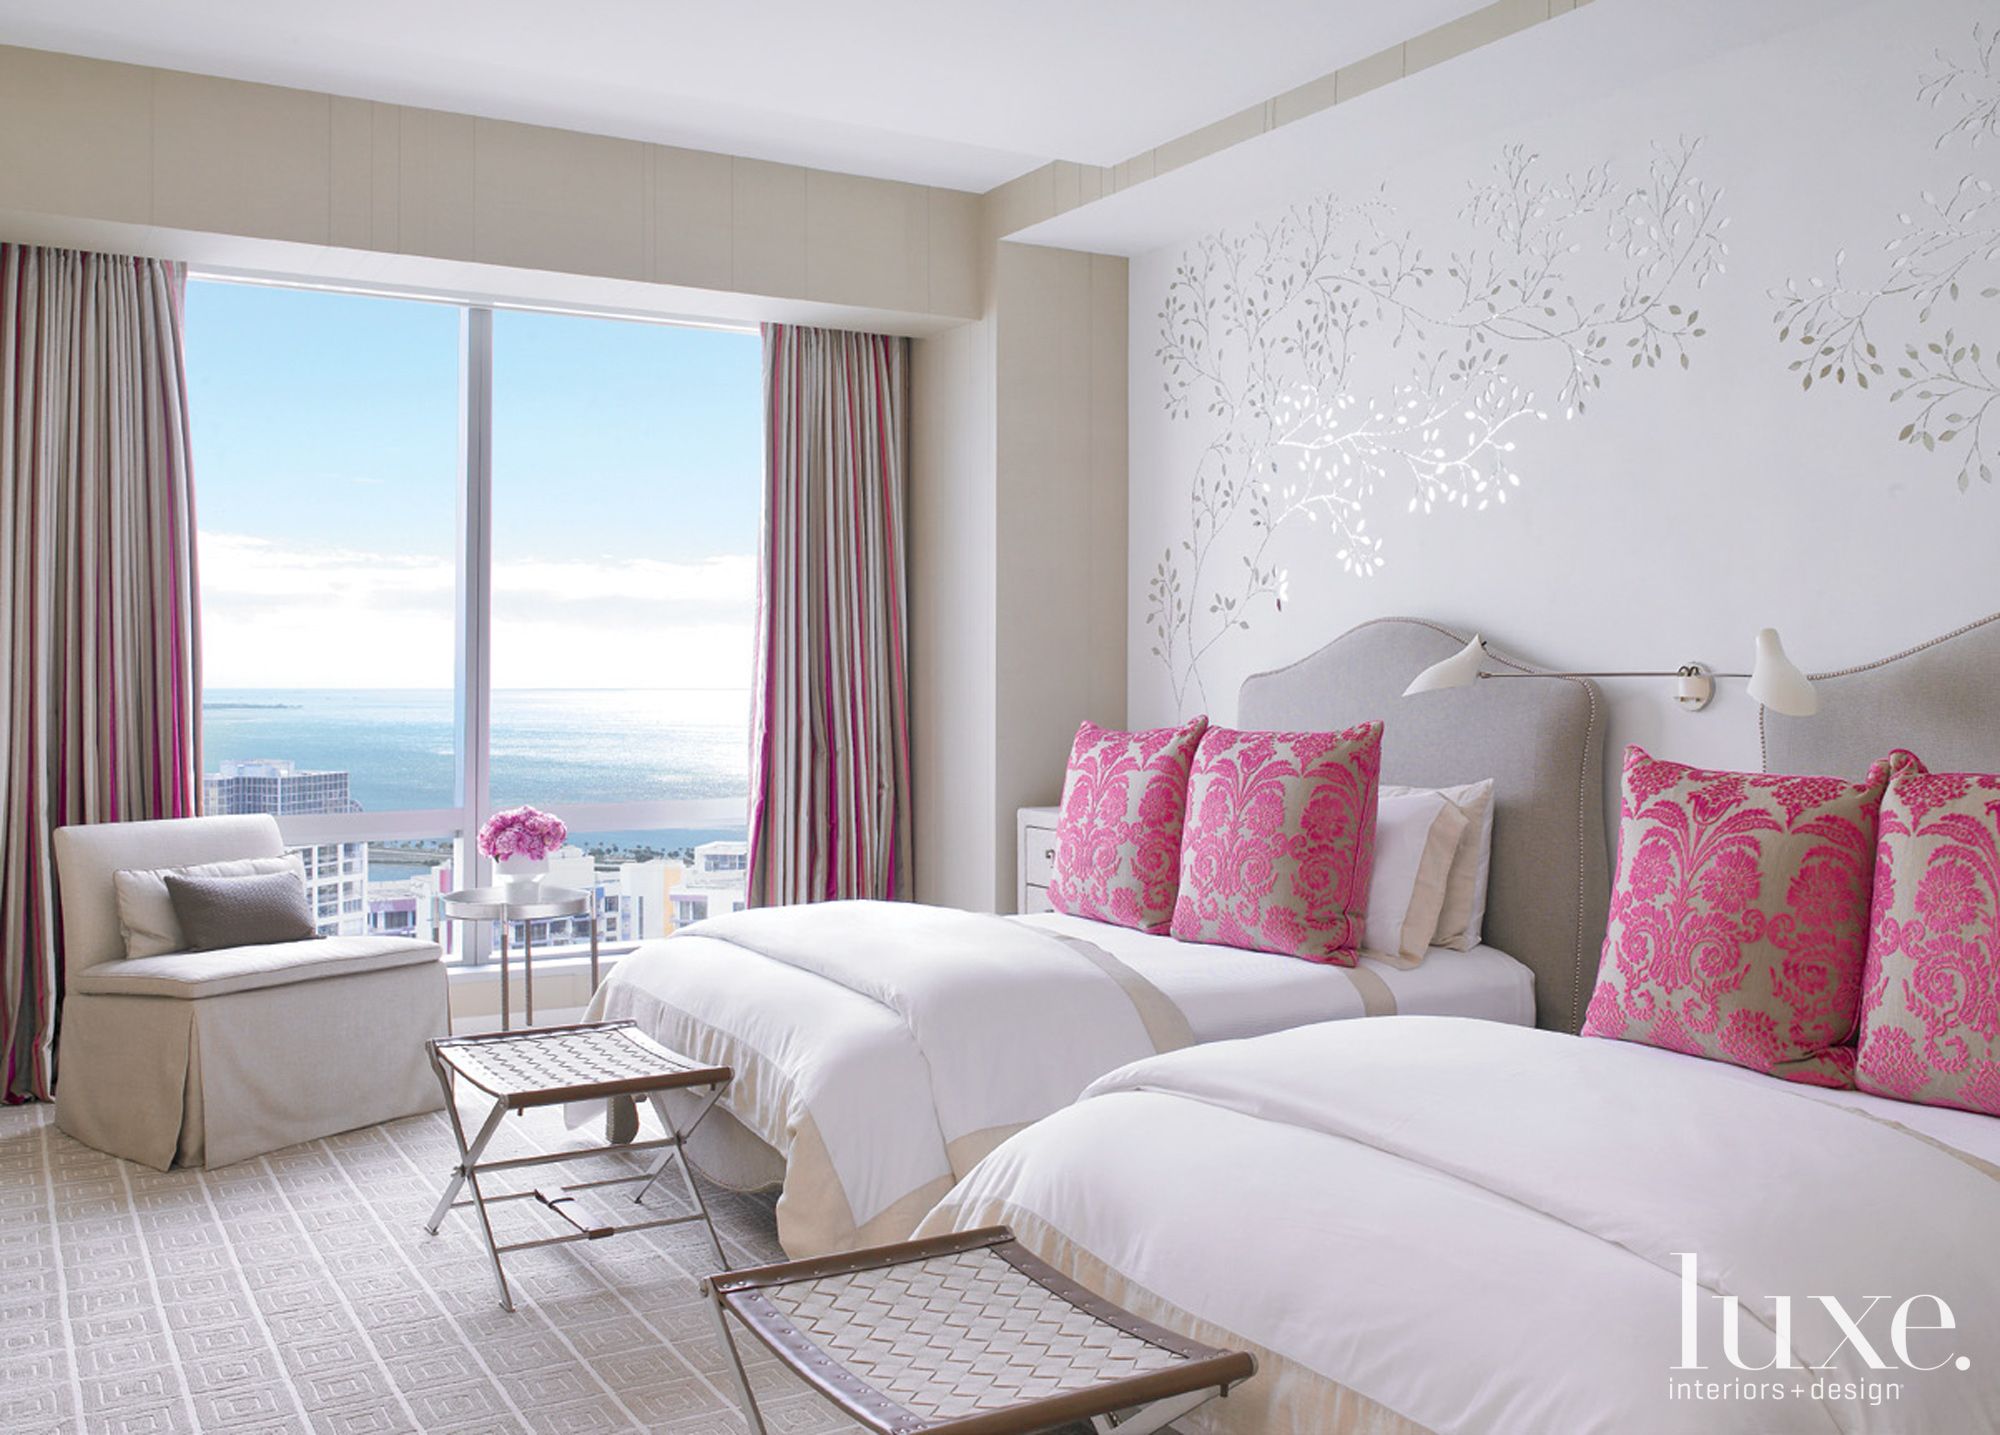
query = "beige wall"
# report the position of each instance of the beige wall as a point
(1017, 557)
(954, 565)
(92, 143)
(1061, 488)
(1017, 503)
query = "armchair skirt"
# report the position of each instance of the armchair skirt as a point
(166, 1081)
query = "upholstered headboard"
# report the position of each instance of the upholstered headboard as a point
(1940, 699)
(1542, 744)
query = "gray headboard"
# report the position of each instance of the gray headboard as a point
(1940, 699)
(1541, 743)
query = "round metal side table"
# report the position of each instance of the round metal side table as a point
(496, 904)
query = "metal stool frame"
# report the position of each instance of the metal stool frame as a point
(682, 1075)
(1135, 1405)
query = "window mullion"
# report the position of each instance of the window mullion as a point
(474, 679)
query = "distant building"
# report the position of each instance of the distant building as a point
(715, 886)
(631, 898)
(407, 906)
(636, 900)
(644, 888)
(276, 786)
(336, 872)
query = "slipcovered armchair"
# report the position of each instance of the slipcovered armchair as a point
(203, 1058)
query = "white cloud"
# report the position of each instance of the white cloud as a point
(728, 579)
(279, 615)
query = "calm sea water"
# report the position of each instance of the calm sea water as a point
(550, 746)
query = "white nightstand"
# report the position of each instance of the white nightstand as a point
(1035, 857)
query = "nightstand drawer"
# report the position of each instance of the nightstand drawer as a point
(1038, 855)
(1034, 857)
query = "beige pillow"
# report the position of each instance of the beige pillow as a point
(1416, 835)
(1463, 916)
(146, 912)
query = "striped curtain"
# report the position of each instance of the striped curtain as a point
(99, 666)
(830, 754)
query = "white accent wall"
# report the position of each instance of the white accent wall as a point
(1832, 177)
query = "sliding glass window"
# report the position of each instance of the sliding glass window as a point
(455, 560)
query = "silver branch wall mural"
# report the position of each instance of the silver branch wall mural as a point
(1337, 362)
(1915, 311)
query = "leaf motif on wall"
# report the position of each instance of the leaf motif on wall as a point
(1903, 328)
(1335, 362)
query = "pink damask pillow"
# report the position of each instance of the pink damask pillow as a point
(1739, 917)
(1280, 841)
(1118, 840)
(1930, 993)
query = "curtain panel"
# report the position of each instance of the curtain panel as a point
(100, 673)
(830, 729)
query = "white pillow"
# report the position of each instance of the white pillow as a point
(1464, 913)
(146, 912)
(1416, 836)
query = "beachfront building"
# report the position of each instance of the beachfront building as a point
(336, 872)
(632, 903)
(643, 888)
(407, 907)
(715, 886)
(632, 900)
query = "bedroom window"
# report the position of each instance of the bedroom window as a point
(456, 559)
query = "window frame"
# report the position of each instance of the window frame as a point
(472, 675)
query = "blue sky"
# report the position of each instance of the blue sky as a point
(627, 484)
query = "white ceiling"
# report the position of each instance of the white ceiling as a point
(932, 91)
(1560, 65)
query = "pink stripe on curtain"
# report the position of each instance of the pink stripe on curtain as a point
(100, 674)
(830, 744)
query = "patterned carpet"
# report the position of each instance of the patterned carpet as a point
(298, 1292)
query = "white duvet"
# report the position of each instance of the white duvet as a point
(881, 1049)
(901, 1058)
(1457, 1226)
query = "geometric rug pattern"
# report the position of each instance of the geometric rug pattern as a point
(299, 1292)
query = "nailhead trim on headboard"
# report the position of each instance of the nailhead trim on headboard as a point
(1763, 736)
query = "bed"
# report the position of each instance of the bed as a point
(1441, 1225)
(871, 1076)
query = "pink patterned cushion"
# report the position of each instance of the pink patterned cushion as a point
(1118, 841)
(1739, 918)
(1280, 841)
(1930, 994)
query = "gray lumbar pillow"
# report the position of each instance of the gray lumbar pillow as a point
(216, 912)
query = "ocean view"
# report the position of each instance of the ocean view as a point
(550, 746)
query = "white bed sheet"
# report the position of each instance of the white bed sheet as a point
(1228, 992)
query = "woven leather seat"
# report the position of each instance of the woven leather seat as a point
(968, 1334)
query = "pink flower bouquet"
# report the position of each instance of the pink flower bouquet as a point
(522, 832)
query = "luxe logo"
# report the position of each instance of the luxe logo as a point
(1917, 1313)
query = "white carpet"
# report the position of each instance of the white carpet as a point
(299, 1292)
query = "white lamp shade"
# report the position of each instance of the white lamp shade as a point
(1459, 670)
(1777, 683)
